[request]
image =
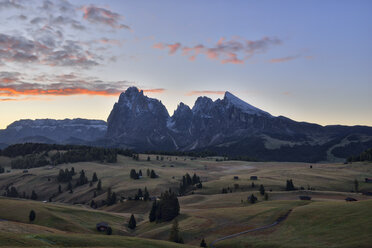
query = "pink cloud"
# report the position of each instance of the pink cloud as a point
(234, 51)
(173, 48)
(99, 15)
(284, 59)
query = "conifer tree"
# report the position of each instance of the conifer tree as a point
(174, 233)
(252, 199)
(262, 190)
(289, 185)
(94, 177)
(146, 195)
(33, 195)
(132, 222)
(99, 185)
(32, 216)
(152, 215)
(202, 243)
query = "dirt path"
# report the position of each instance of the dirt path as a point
(280, 219)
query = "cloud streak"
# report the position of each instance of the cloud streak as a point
(103, 16)
(283, 59)
(13, 86)
(234, 51)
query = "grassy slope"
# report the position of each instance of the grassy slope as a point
(319, 224)
(61, 225)
(62, 217)
(81, 240)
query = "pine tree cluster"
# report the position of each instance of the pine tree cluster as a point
(166, 209)
(188, 182)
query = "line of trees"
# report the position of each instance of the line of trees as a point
(290, 186)
(34, 155)
(66, 175)
(364, 156)
(142, 195)
(188, 183)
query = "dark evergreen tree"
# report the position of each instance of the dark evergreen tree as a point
(94, 178)
(99, 185)
(113, 198)
(92, 204)
(132, 222)
(32, 216)
(202, 243)
(133, 174)
(174, 235)
(153, 174)
(140, 173)
(33, 195)
(146, 195)
(59, 189)
(252, 199)
(253, 185)
(109, 231)
(140, 194)
(148, 158)
(262, 190)
(289, 185)
(82, 179)
(148, 172)
(152, 215)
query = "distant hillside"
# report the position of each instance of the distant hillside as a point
(67, 131)
(364, 156)
(32, 155)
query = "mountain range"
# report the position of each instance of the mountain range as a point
(227, 126)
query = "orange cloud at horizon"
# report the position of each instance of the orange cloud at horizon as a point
(12, 92)
(160, 90)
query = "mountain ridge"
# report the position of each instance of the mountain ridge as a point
(227, 126)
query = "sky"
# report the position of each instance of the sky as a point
(306, 60)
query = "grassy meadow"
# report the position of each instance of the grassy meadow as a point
(205, 213)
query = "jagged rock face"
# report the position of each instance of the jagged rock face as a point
(139, 121)
(53, 131)
(228, 126)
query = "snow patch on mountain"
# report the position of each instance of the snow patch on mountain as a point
(242, 105)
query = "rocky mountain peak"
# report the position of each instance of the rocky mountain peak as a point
(232, 100)
(181, 108)
(202, 104)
